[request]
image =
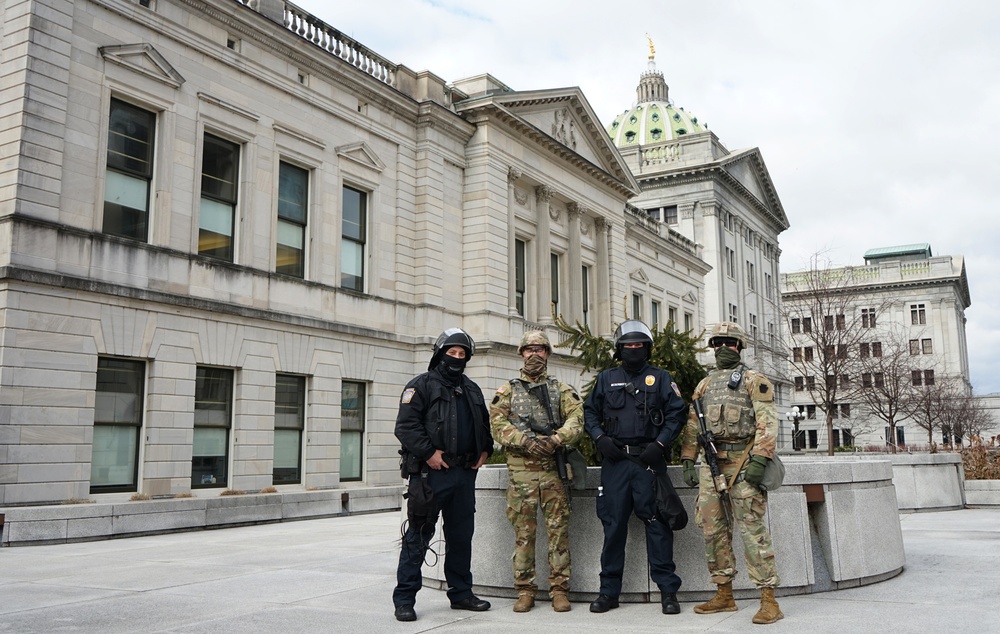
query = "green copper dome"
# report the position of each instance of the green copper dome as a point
(653, 119)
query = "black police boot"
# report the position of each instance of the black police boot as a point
(603, 603)
(670, 605)
(472, 604)
(405, 613)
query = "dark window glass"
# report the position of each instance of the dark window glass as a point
(352, 430)
(213, 410)
(129, 171)
(293, 199)
(217, 218)
(117, 422)
(355, 223)
(289, 423)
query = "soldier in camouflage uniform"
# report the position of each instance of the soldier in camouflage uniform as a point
(738, 404)
(520, 405)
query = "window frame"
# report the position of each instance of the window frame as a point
(139, 369)
(218, 201)
(123, 172)
(300, 225)
(362, 409)
(358, 242)
(520, 276)
(223, 376)
(289, 418)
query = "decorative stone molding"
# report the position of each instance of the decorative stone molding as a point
(543, 193)
(513, 174)
(520, 196)
(554, 213)
(143, 59)
(602, 225)
(564, 128)
(575, 211)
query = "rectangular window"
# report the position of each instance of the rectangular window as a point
(672, 316)
(841, 351)
(841, 322)
(289, 423)
(807, 353)
(879, 379)
(129, 173)
(914, 346)
(876, 348)
(670, 214)
(734, 313)
(845, 412)
(654, 314)
(554, 270)
(813, 440)
(355, 231)
(918, 317)
(519, 276)
(810, 383)
(811, 412)
(807, 324)
(220, 168)
(831, 381)
(118, 402)
(865, 350)
(867, 317)
(845, 381)
(293, 202)
(800, 384)
(753, 328)
(586, 295)
(796, 325)
(688, 322)
(797, 354)
(928, 377)
(770, 334)
(730, 263)
(768, 286)
(828, 323)
(866, 379)
(352, 430)
(751, 275)
(213, 418)
(926, 346)
(636, 306)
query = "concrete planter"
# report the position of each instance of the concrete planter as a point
(982, 492)
(78, 522)
(819, 520)
(928, 482)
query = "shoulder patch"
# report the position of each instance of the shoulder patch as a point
(408, 395)
(503, 388)
(763, 389)
(677, 390)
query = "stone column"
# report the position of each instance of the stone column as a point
(602, 231)
(575, 264)
(543, 253)
(512, 175)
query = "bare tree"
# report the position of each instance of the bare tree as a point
(932, 406)
(886, 385)
(969, 417)
(830, 318)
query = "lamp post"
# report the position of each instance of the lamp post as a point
(794, 416)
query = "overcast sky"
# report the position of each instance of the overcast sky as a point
(878, 120)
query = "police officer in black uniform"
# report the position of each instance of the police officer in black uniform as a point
(633, 414)
(444, 427)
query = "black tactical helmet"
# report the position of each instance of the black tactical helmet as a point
(630, 331)
(448, 338)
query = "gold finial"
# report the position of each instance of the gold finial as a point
(652, 49)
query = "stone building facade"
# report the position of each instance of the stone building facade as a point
(229, 234)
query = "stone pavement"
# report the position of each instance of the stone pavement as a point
(337, 575)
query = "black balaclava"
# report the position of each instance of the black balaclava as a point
(633, 359)
(453, 367)
(726, 358)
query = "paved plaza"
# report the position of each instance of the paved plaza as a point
(337, 574)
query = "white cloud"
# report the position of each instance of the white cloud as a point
(878, 119)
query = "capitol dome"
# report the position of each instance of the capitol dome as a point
(653, 118)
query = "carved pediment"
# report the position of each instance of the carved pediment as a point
(143, 59)
(361, 154)
(639, 275)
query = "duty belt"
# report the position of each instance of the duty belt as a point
(634, 450)
(461, 460)
(730, 446)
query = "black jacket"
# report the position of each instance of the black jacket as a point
(428, 416)
(630, 400)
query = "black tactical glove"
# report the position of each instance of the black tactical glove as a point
(755, 470)
(610, 449)
(536, 447)
(652, 457)
(690, 474)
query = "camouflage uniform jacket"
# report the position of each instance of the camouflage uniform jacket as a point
(516, 398)
(734, 416)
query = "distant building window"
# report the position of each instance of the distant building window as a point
(914, 346)
(672, 316)
(519, 276)
(355, 230)
(751, 275)
(865, 350)
(876, 348)
(796, 325)
(654, 313)
(734, 313)
(117, 423)
(670, 214)
(352, 430)
(129, 175)
(926, 346)
(807, 353)
(289, 423)
(918, 316)
(807, 324)
(293, 200)
(636, 306)
(586, 295)
(219, 188)
(811, 412)
(867, 317)
(797, 354)
(554, 279)
(800, 384)
(213, 418)
(928, 377)
(688, 322)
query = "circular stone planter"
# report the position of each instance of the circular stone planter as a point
(822, 522)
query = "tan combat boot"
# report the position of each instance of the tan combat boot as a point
(722, 601)
(769, 611)
(525, 601)
(560, 602)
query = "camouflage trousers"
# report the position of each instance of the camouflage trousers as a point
(529, 489)
(747, 505)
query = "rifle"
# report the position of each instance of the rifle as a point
(562, 466)
(707, 441)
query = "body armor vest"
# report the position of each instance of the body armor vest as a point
(525, 405)
(631, 403)
(728, 412)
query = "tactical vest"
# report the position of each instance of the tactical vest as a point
(631, 402)
(729, 413)
(526, 405)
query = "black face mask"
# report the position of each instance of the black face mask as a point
(633, 358)
(453, 367)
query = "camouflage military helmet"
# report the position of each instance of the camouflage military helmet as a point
(728, 330)
(534, 338)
